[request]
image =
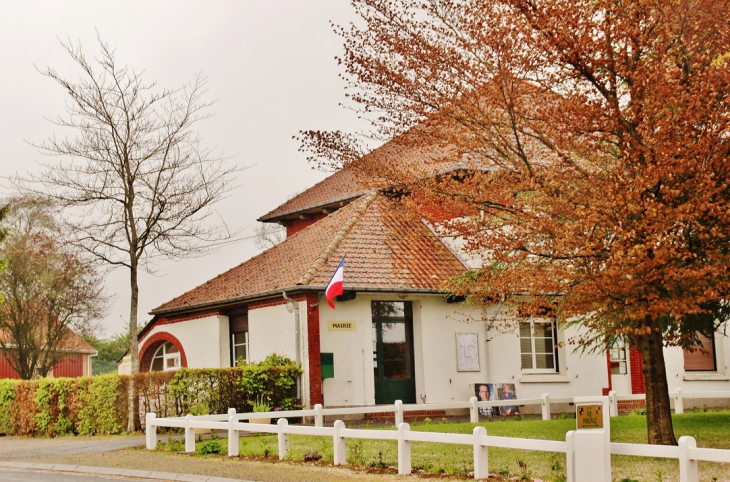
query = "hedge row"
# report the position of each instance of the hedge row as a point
(98, 405)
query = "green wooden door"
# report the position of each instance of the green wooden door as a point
(393, 352)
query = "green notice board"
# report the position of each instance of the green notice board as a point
(327, 362)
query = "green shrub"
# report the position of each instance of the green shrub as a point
(98, 405)
(102, 405)
(210, 447)
(7, 406)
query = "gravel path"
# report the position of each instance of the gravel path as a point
(127, 452)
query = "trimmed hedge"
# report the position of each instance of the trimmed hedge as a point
(98, 405)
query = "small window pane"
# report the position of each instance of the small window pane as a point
(396, 369)
(543, 345)
(544, 361)
(525, 345)
(527, 362)
(170, 348)
(543, 330)
(618, 368)
(240, 352)
(173, 362)
(525, 331)
(157, 365)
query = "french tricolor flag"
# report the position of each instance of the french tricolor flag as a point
(335, 286)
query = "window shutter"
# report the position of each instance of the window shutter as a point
(239, 323)
(701, 360)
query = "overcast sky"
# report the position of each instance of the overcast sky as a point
(270, 66)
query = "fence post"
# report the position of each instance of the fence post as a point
(688, 468)
(473, 410)
(546, 406)
(233, 434)
(678, 402)
(570, 456)
(339, 449)
(404, 449)
(481, 456)
(592, 443)
(612, 404)
(318, 416)
(189, 434)
(283, 437)
(150, 430)
(398, 412)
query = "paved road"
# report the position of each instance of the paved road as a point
(25, 448)
(19, 475)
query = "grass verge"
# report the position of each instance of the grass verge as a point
(711, 429)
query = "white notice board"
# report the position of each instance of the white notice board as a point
(467, 352)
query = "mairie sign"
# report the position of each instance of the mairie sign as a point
(341, 325)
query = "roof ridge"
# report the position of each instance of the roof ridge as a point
(339, 237)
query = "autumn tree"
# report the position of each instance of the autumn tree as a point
(133, 177)
(49, 289)
(579, 147)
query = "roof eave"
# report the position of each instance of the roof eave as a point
(269, 217)
(291, 289)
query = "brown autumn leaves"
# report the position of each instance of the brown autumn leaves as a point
(582, 149)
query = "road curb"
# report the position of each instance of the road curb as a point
(139, 474)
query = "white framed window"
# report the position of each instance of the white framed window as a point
(239, 347)
(617, 353)
(167, 357)
(538, 346)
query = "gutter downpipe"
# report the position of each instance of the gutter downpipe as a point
(295, 308)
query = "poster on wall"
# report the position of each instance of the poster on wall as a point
(496, 391)
(467, 352)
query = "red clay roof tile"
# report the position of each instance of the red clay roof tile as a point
(385, 249)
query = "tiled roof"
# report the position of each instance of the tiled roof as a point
(343, 185)
(385, 249)
(73, 342)
(410, 156)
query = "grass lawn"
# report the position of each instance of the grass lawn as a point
(710, 429)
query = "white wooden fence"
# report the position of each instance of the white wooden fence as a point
(687, 452)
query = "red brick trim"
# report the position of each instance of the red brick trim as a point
(315, 364)
(638, 384)
(625, 406)
(162, 320)
(275, 301)
(153, 343)
(300, 224)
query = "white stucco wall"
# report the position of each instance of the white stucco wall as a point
(201, 340)
(271, 329)
(435, 325)
(206, 342)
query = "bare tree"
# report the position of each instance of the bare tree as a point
(134, 177)
(268, 235)
(49, 290)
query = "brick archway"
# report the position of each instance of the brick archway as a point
(151, 345)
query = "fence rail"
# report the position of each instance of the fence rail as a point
(687, 452)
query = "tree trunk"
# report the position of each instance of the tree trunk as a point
(133, 344)
(658, 411)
